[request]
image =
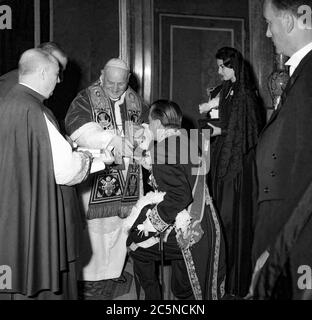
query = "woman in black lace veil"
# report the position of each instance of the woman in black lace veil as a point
(232, 175)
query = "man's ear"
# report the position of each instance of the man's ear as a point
(158, 124)
(288, 21)
(102, 75)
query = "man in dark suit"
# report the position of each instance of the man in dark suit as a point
(283, 233)
(10, 79)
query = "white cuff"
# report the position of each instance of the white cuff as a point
(91, 135)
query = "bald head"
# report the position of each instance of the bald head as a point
(39, 70)
(34, 59)
(115, 78)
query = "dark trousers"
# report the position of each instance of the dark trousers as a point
(145, 261)
(270, 221)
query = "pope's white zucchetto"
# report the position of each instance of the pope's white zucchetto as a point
(117, 63)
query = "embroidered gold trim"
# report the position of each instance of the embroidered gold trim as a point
(159, 224)
(190, 266)
(214, 288)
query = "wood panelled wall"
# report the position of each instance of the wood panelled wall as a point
(29, 18)
(93, 31)
(88, 31)
(145, 51)
(261, 50)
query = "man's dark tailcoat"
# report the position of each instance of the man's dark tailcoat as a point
(284, 166)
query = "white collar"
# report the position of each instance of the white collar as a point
(120, 100)
(28, 86)
(114, 100)
(297, 57)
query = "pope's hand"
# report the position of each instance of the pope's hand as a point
(143, 136)
(121, 146)
(106, 156)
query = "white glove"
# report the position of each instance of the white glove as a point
(182, 222)
(146, 226)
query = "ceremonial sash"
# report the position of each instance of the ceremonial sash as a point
(111, 194)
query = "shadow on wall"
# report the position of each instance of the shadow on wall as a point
(134, 83)
(252, 78)
(65, 92)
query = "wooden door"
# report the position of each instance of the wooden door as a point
(185, 57)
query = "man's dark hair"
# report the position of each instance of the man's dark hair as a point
(168, 112)
(290, 5)
(50, 47)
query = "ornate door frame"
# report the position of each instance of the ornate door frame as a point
(136, 41)
(37, 22)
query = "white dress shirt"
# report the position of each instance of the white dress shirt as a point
(117, 104)
(297, 57)
(66, 163)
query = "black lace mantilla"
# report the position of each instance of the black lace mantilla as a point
(243, 126)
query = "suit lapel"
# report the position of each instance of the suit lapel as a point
(292, 80)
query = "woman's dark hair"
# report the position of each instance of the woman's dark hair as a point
(168, 112)
(232, 58)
